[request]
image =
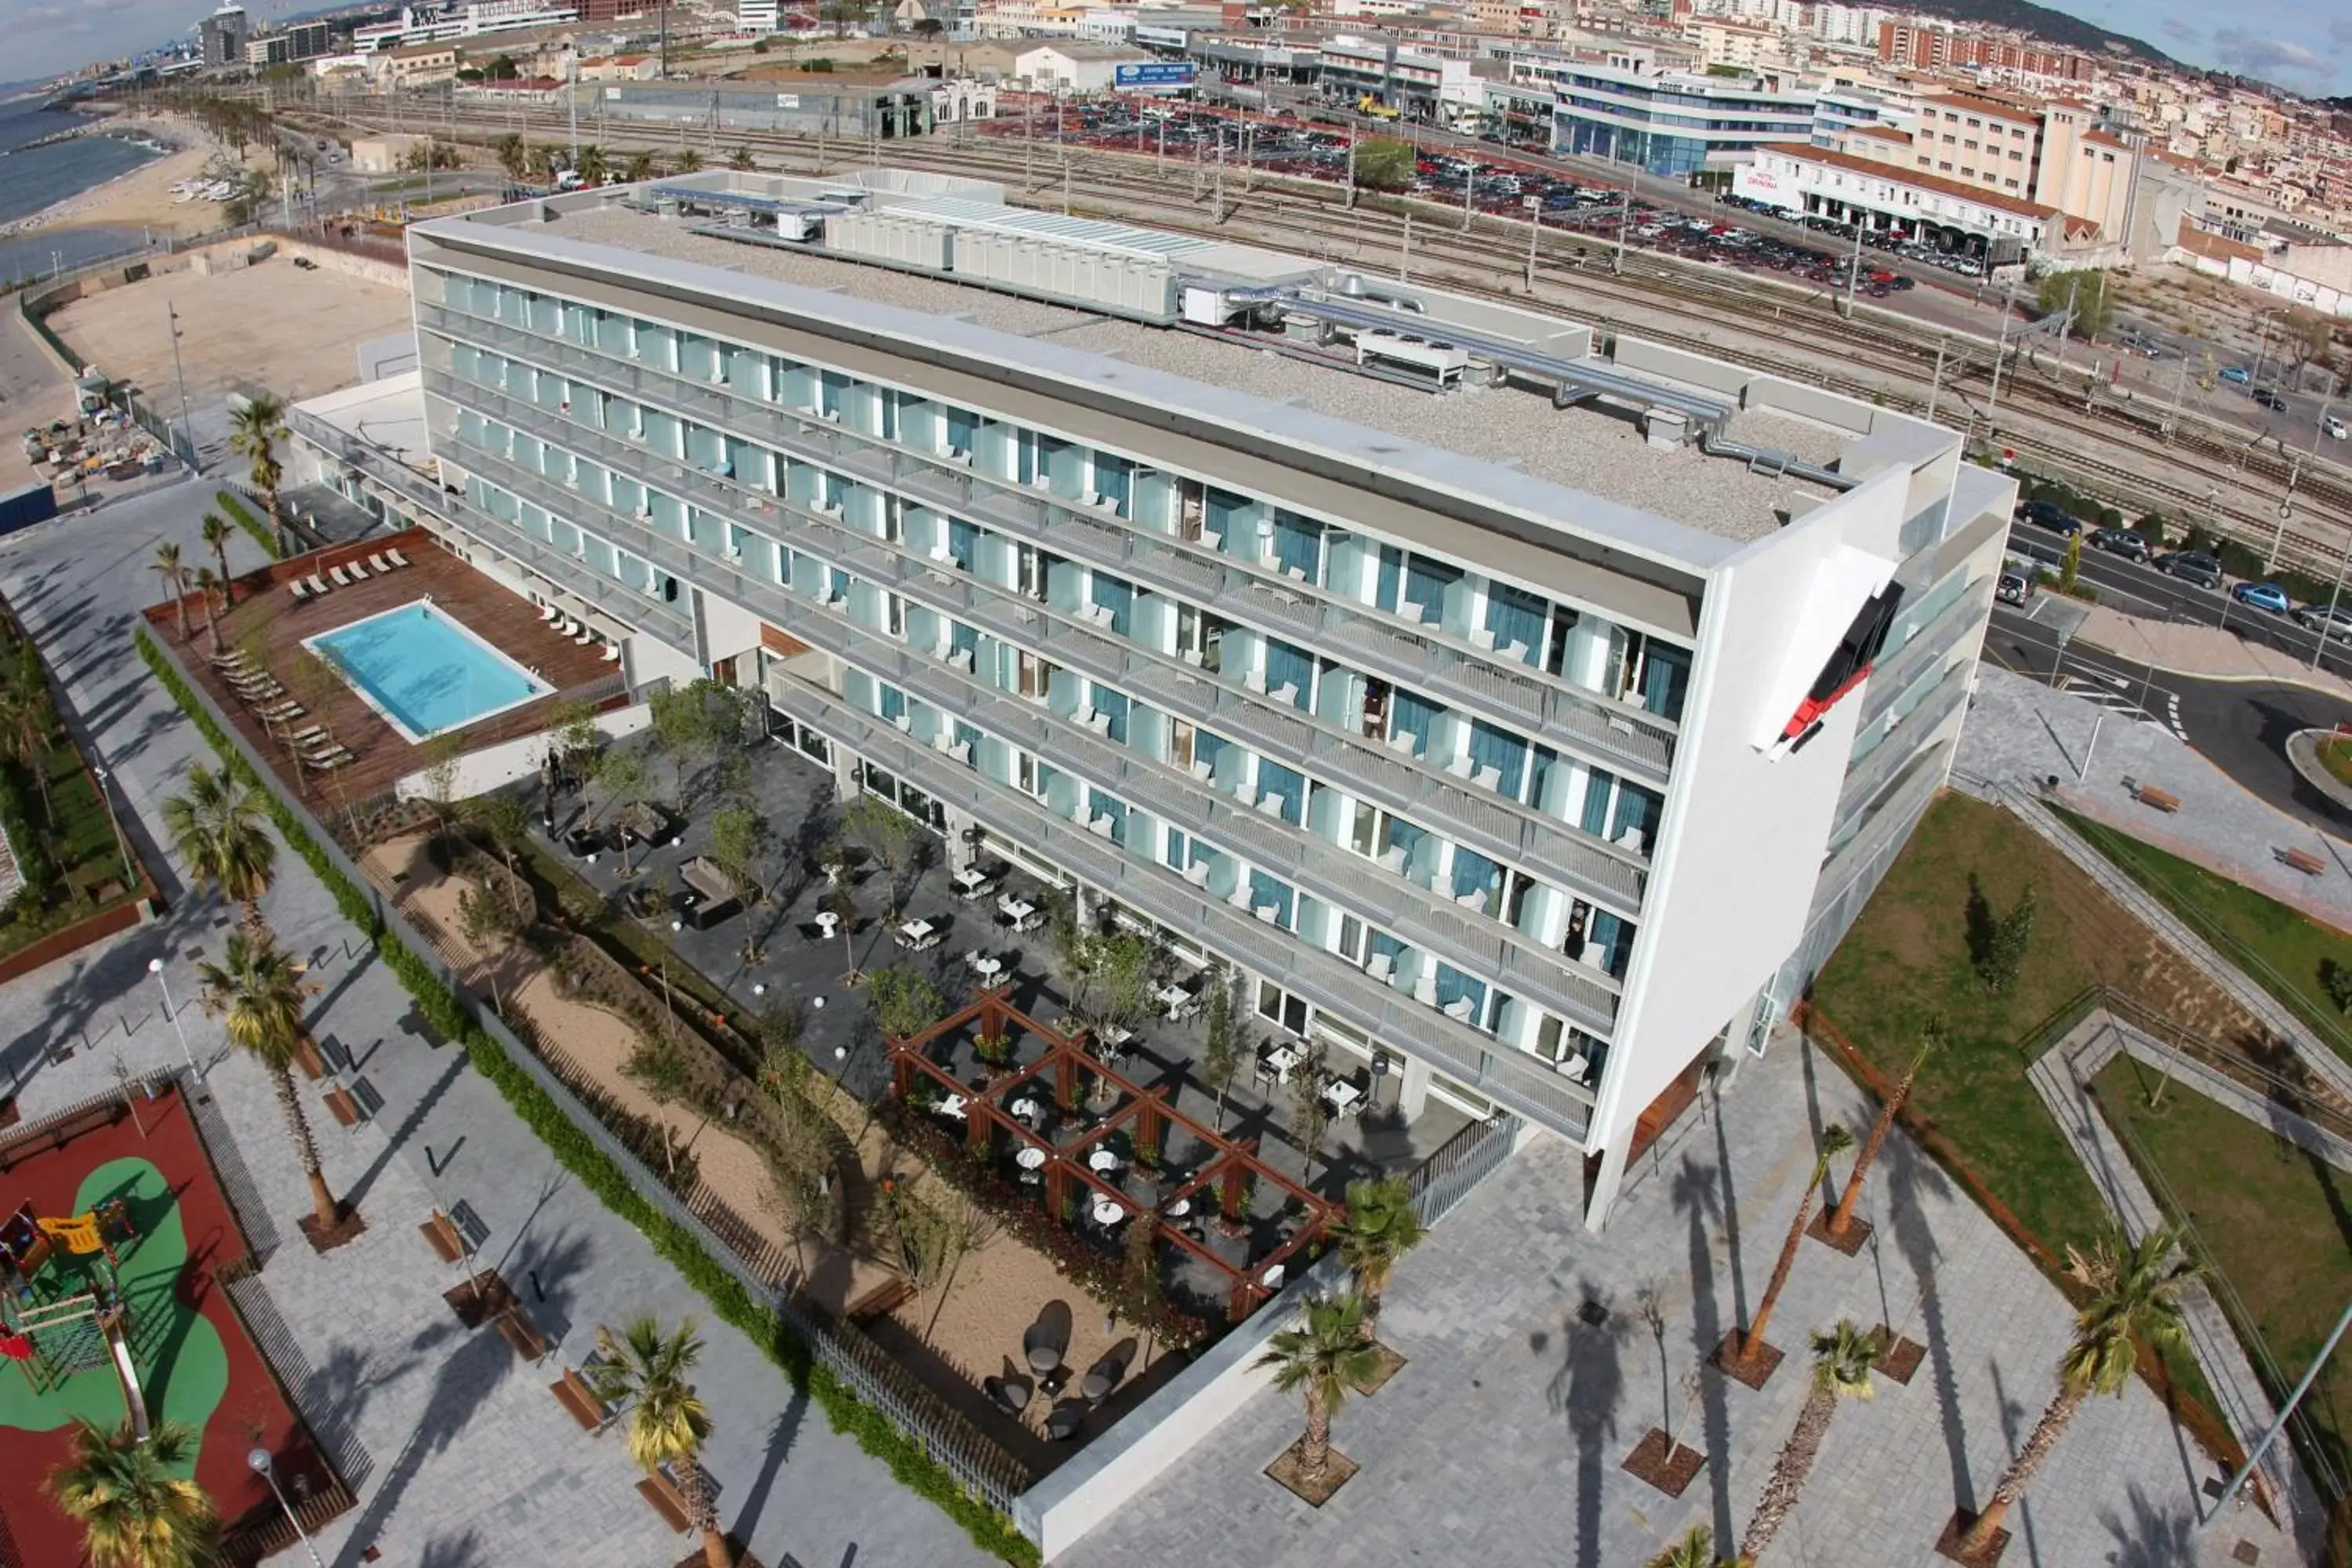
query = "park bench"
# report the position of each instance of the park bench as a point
(882, 1299)
(522, 1334)
(2155, 798)
(444, 1238)
(571, 1392)
(2303, 860)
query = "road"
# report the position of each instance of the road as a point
(2241, 727)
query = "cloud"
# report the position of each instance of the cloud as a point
(2249, 55)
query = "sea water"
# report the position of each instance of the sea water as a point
(35, 178)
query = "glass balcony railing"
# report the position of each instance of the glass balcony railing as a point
(1330, 983)
(1499, 829)
(1485, 948)
(1625, 738)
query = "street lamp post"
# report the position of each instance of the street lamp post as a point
(106, 798)
(155, 968)
(259, 1460)
(187, 430)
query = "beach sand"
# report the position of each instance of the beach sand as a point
(143, 198)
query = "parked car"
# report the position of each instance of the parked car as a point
(2193, 567)
(2047, 515)
(2237, 375)
(2014, 588)
(2333, 428)
(2336, 623)
(2263, 597)
(2268, 397)
(2120, 541)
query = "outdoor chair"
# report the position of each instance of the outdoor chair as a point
(359, 573)
(1102, 1377)
(299, 589)
(376, 561)
(340, 579)
(318, 587)
(1064, 1423)
(1010, 1395)
(1040, 1348)
(395, 557)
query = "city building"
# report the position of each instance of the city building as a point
(415, 65)
(436, 23)
(1952, 216)
(1068, 66)
(1523, 714)
(1674, 123)
(300, 42)
(221, 37)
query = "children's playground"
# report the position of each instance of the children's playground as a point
(113, 1233)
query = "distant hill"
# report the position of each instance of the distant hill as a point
(2052, 27)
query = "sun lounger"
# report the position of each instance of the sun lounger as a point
(236, 658)
(395, 557)
(281, 712)
(585, 637)
(612, 653)
(261, 692)
(359, 573)
(547, 612)
(304, 737)
(328, 764)
(296, 588)
(376, 563)
(318, 585)
(337, 573)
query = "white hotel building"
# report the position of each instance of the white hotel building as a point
(1531, 706)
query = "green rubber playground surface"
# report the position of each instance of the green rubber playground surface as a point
(182, 1362)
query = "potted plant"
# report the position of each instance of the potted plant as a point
(993, 1050)
(1234, 1205)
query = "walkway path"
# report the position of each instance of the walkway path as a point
(1532, 1373)
(2062, 1075)
(2211, 653)
(474, 1463)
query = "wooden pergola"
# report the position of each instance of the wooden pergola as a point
(1068, 1071)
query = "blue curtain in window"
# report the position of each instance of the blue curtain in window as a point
(1539, 775)
(966, 735)
(832, 388)
(1473, 873)
(1118, 598)
(894, 703)
(1501, 750)
(1298, 546)
(1515, 616)
(1287, 666)
(1114, 480)
(962, 426)
(1382, 942)
(1404, 835)
(1664, 679)
(964, 637)
(1099, 804)
(1391, 571)
(1596, 802)
(1425, 583)
(1224, 509)
(1208, 747)
(1113, 706)
(1609, 940)
(1276, 780)
(1452, 985)
(1637, 807)
(1174, 855)
(1265, 891)
(838, 586)
(963, 542)
(1414, 716)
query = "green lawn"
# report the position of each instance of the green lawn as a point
(79, 839)
(1907, 958)
(2282, 949)
(2273, 1222)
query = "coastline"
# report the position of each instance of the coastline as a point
(136, 198)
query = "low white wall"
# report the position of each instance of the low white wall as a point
(1115, 1467)
(493, 767)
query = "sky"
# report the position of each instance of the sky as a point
(2305, 45)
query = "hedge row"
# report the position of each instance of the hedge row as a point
(240, 514)
(913, 1469)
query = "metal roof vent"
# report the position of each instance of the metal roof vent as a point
(1352, 285)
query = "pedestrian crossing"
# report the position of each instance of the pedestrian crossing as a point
(2113, 693)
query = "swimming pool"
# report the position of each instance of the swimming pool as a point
(424, 672)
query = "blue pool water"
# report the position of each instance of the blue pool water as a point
(426, 673)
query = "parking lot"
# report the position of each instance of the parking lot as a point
(1494, 184)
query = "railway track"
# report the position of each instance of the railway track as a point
(2291, 509)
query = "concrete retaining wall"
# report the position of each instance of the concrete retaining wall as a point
(510, 761)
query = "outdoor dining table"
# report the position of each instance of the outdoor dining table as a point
(953, 1106)
(1026, 1108)
(1279, 1061)
(1107, 1212)
(987, 967)
(1175, 1001)
(1341, 1095)
(827, 921)
(1104, 1161)
(919, 934)
(1180, 1208)
(971, 884)
(1030, 1158)
(1020, 912)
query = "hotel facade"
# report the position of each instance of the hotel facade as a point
(1524, 710)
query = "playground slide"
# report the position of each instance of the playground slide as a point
(134, 1402)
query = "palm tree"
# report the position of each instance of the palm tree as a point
(1327, 1354)
(256, 990)
(1931, 1039)
(216, 530)
(1835, 1140)
(687, 161)
(175, 577)
(741, 159)
(591, 165)
(639, 167)
(254, 430)
(2134, 1299)
(216, 828)
(644, 1366)
(207, 581)
(512, 155)
(1380, 1227)
(1842, 1360)
(28, 722)
(134, 1511)
(1694, 1549)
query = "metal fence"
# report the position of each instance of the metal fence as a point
(1460, 1163)
(978, 1463)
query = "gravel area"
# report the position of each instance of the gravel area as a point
(1583, 449)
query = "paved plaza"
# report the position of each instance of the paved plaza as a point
(1501, 1440)
(471, 1462)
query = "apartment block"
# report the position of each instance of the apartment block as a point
(1523, 708)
